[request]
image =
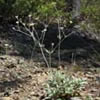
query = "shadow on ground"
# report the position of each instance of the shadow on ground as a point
(78, 46)
(4, 85)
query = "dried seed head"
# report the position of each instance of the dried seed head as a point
(6, 45)
(17, 22)
(52, 44)
(44, 30)
(70, 21)
(29, 15)
(31, 24)
(16, 17)
(13, 28)
(61, 28)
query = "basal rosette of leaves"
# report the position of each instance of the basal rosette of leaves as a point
(61, 86)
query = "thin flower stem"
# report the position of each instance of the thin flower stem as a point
(50, 59)
(44, 57)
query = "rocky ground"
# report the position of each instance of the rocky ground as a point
(21, 79)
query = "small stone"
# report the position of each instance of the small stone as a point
(76, 98)
(32, 93)
(6, 98)
(20, 61)
(97, 98)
